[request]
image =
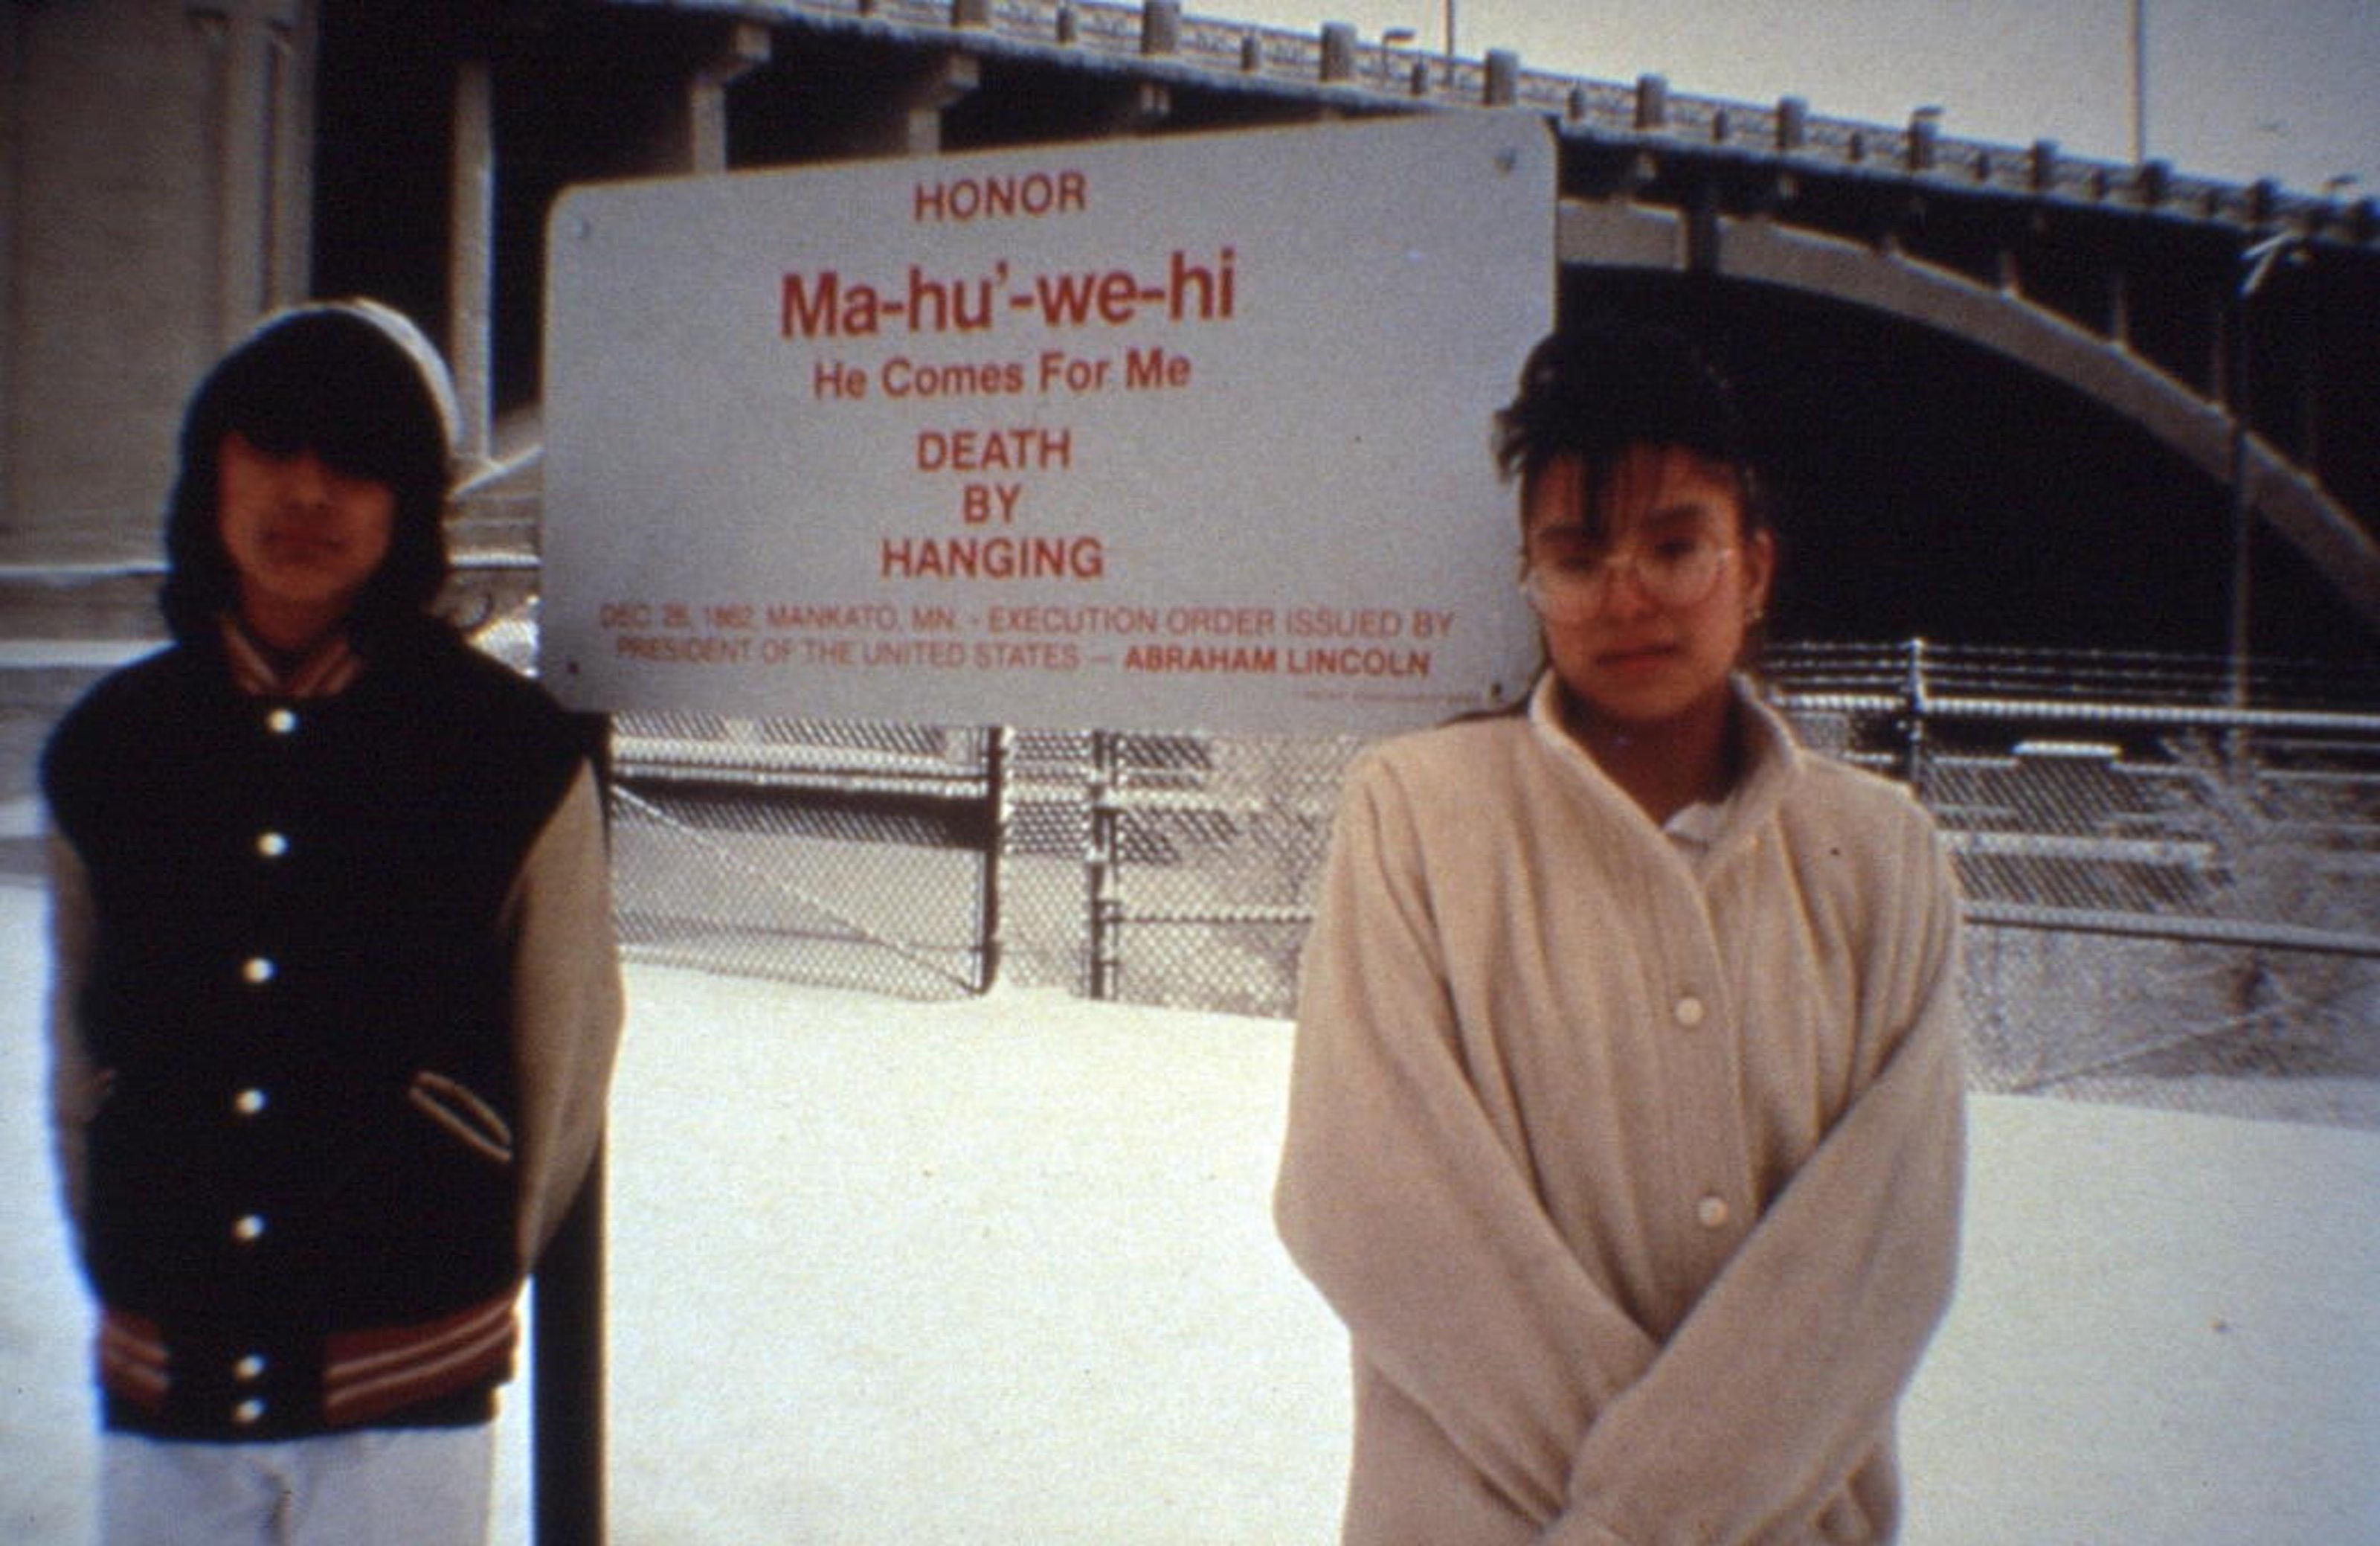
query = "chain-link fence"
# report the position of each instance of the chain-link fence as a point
(2172, 871)
(2174, 896)
(1204, 857)
(860, 856)
(932, 862)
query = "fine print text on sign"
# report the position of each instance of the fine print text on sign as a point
(1182, 435)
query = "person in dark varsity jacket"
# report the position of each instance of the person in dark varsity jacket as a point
(336, 998)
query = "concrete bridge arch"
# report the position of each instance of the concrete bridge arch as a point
(1620, 235)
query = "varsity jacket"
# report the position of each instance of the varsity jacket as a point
(1633, 1171)
(335, 1009)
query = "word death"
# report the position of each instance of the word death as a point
(1019, 450)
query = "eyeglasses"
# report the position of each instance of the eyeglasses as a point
(1674, 571)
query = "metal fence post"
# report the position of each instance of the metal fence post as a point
(1912, 719)
(995, 847)
(1106, 910)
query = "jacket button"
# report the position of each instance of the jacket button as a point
(257, 970)
(248, 1412)
(281, 721)
(249, 1101)
(248, 1228)
(248, 1369)
(272, 844)
(1689, 1011)
(1711, 1213)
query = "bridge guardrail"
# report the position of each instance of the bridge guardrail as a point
(1219, 50)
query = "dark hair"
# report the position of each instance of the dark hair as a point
(330, 380)
(1596, 390)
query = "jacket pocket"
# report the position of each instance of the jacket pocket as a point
(469, 1120)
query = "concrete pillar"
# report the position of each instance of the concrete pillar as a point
(2043, 174)
(1652, 102)
(1139, 107)
(1503, 85)
(157, 201)
(258, 129)
(12, 97)
(1924, 141)
(946, 79)
(1338, 51)
(1161, 27)
(2154, 180)
(747, 48)
(471, 254)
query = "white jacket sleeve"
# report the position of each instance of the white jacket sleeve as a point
(1401, 1203)
(1785, 1376)
(567, 1009)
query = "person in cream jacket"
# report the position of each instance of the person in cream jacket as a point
(1626, 1124)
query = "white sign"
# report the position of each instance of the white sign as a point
(1189, 434)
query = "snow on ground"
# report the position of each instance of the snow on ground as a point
(1002, 1272)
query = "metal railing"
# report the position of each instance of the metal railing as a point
(1157, 36)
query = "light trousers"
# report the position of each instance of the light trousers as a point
(376, 1487)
